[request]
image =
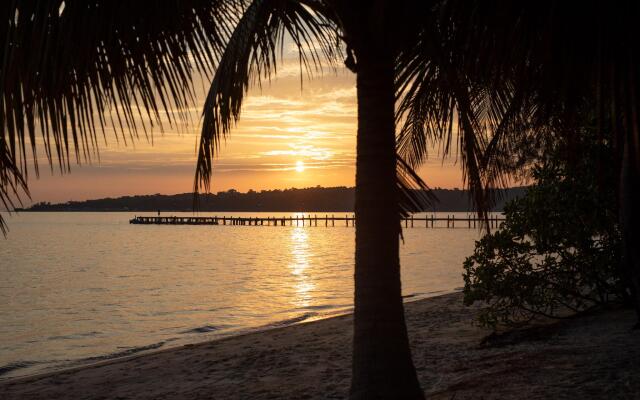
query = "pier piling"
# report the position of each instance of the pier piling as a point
(494, 221)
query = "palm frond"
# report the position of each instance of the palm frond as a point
(438, 103)
(415, 194)
(72, 69)
(251, 55)
(12, 184)
(559, 64)
(508, 73)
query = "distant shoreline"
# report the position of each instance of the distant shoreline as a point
(317, 199)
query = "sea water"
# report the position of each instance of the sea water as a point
(77, 288)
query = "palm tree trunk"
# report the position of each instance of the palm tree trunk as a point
(630, 221)
(382, 364)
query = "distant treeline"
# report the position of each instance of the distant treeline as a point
(338, 199)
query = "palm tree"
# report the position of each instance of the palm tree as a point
(128, 60)
(484, 73)
(382, 363)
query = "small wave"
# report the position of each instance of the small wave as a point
(205, 329)
(5, 369)
(124, 353)
(324, 307)
(294, 320)
(74, 336)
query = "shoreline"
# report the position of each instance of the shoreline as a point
(585, 357)
(152, 348)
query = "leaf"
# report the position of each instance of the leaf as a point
(252, 55)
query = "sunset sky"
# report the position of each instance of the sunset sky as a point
(287, 137)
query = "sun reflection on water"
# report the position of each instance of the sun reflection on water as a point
(300, 262)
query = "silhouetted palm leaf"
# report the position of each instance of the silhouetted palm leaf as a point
(561, 61)
(415, 194)
(12, 184)
(72, 69)
(251, 56)
(505, 74)
(438, 104)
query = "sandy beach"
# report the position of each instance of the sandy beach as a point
(588, 357)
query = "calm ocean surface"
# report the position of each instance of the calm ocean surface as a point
(77, 288)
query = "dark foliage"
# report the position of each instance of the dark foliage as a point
(72, 70)
(559, 249)
(336, 199)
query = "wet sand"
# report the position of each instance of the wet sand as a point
(596, 356)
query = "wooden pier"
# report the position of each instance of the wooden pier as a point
(450, 221)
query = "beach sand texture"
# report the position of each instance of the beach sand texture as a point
(590, 357)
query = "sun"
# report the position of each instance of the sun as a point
(299, 166)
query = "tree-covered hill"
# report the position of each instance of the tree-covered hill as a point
(337, 199)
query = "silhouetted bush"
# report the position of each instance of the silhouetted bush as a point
(559, 248)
